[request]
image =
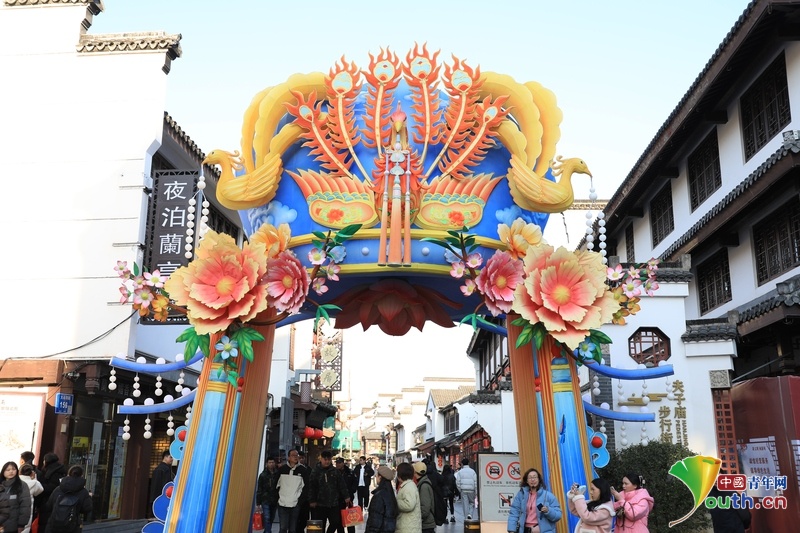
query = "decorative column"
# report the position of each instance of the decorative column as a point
(565, 442)
(249, 432)
(226, 426)
(522, 380)
(191, 509)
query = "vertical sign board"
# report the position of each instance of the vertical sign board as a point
(168, 220)
(499, 476)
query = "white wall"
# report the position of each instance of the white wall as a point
(692, 365)
(75, 133)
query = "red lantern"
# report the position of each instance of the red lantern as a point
(309, 433)
(317, 433)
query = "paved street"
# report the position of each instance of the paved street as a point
(134, 526)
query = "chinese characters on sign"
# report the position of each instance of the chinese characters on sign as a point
(665, 423)
(167, 224)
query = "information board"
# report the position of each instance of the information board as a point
(498, 482)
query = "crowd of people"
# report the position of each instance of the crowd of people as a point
(407, 500)
(46, 500)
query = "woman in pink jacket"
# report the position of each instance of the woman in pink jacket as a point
(596, 516)
(633, 505)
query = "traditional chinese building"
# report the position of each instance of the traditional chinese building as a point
(716, 191)
(100, 173)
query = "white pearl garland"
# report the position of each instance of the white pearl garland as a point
(112, 385)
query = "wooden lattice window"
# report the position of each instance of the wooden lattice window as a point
(662, 221)
(630, 255)
(765, 107)
(777, 241)
(726, 434)
(703, 169)
(714, 281)
(649, 346)
(451, 421)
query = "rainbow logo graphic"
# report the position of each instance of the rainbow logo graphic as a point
(698, 473)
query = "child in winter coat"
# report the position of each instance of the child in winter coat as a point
(597, 515)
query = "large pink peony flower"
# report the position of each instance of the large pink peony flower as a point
(565, 291)
(222, 284)
(287, 282)
(498, 280)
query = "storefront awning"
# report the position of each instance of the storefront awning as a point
(346, 440)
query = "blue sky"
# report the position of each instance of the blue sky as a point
(618, 68)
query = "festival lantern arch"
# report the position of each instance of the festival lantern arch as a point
(412, 190)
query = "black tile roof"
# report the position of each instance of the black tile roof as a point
(714, 329)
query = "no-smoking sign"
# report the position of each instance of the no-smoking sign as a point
(494, 470)
(513, 471)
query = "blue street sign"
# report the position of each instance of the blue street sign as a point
(64, 403)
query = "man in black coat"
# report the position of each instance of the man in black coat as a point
(363, 473)
(53, 471)
(161, 476)
(326, 490)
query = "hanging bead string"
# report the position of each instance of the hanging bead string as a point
(623, 440)
(190, 217)
(136, 391)
(126, 430)
(601, 225)
(147, 428)
(170, 425)
(112, 380)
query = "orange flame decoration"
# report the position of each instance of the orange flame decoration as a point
(308, 116)
(488, 116)
(422, 74)
(343, 84)
(382, 75)
(463, 83)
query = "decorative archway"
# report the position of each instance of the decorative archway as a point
(375, 197)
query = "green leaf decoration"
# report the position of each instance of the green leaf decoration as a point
(525, 335)
(454, 233)
(204, 344)
(317, 244)
(319, 235)
(469, 241)
(473, 248)
(454, 242)
(190, 337)
(598, 336)
(538, 334)
(232, 379)
(347, 232)
(597, 354)
(135, 269)
(521, 322)
(472, 319)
